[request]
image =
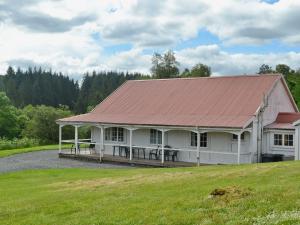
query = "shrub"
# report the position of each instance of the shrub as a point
(6, 144)
(41, 124)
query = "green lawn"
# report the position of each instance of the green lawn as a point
(256, 194)
(4, 153)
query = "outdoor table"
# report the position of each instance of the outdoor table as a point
(168, 153)
(138, 151)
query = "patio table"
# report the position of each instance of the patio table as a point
(138, 151)
(169, 153)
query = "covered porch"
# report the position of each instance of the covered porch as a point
(121, 160)
(159, 146)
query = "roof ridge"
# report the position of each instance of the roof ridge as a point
(211, 77)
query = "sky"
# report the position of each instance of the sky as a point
(75, 36)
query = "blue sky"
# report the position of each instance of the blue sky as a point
(232, 37)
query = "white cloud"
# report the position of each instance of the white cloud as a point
(132, 61)
(224, 63)
(221, 62)
(245, 21)
(58, 34)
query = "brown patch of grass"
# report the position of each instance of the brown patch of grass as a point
(230, 193)
(136, 180)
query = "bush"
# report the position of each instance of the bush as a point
(6, 144)
(41, 123)
(9, 118)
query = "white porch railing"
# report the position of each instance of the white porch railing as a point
(184, 150)
(235, 154)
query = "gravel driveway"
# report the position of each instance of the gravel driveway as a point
(44, 160)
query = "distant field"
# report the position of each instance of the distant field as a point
(4, 153)
(252, 194)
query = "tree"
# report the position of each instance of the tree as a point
(10, 71)
(40, 123)
(164, 66)
(185, 73)
(283, 69)
(265, 69)
(9, 118)
(200, 70)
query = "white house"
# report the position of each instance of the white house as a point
(233, 119)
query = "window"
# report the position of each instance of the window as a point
(288, 140)
(203, 139)
(193, 139)
(114, 134)
(283, 140)
(155, 136)
(235, 137)
(278, 139)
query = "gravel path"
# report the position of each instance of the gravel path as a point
(44, 160)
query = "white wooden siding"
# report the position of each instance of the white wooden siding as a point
(278, 101)
(270, 148)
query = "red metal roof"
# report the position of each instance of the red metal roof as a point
(284, 120)
(205, 102)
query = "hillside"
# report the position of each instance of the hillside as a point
(252, 194)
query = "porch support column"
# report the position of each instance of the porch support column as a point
(130, 144)
(162, 146)
(239, 149)
(198, 148)
(254, 146)
(297, 143)
(101, 143)
(60, 137)
(76, 139)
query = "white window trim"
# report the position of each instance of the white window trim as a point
(195, 147)
(117, 141)
(283, 137)
(236, 140)
(155, 144)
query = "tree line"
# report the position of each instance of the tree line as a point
(39, 87)
(31, 100)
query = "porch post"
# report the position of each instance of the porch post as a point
(198, 148)
(130, 144)
(60, 137)
(254, 146)
(76, 139)
(239, 149)
(162, 146)
(296, 140)
(101, 143)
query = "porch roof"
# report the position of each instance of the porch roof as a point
(204, 102)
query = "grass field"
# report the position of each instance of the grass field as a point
(254, 194)
(4, 153)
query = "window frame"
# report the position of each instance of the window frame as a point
(155, 137)
(289, 140)
(194, 139)
(278, 140)
(115, 134)
(284, 137)
(234, 137)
